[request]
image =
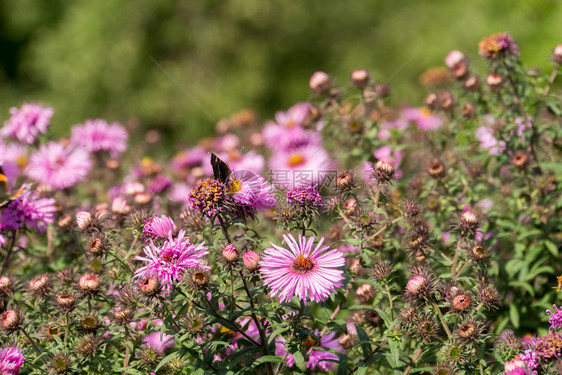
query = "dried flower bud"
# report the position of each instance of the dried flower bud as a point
(149, 355)
(365, 293)
(60, 363)
(122, 315)
(520, 160)
(230, 254)
(436, 169)
(150, 286)
(489, 296)
(98, 245)
(120, 206)
(408, 315)
(461, 302)
(469, 331)
(83, 219)
(66, 301)
(40, 285)
(319, 82)
(345, 181)
(427, 328)
(89, 323)
(416, 284)
(381, 271)
(11, 320)
(432, 101)
(411, 209)
(87, 345)
(346, 341)
(478, 253)
(383, 171)
(199, 278)
(89, 283)
(454, 58)
(251, 260)
(360, 78)
(494, 81)
(381, 89)
(65, 222)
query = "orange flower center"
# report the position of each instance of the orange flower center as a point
(302, 264)
(296, 159)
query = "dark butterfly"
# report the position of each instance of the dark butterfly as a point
(5, 196)
(220, 168)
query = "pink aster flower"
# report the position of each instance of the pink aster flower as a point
(58, 166)
(98, 135)
(424, 119)
(159, 341)
(485, 135)
(251, 161)
(28, 122)
(169, 261)
(28, 209)
(11, 359)
(317, 358)
(302, 271)
(278, 138)
(159, 227)
(13, 157)
(516, 367)
(299, 167)
(251, 190)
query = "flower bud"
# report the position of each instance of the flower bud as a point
(122, 315)
(83, 219)
(383, 171)
(365, 293)
(360, 78)
(11, 320)
(467, 110)
(120, 206)
(557, 54)
(251, 260)
(89, 283)
(382, 89)
(436, 169)
(199, 278)
(472, 83)
(150, 286)
(142, 198)
(461, 302)
(60, 363)
(416, 284)
(345, 181)
(65, 221)
(494, 81)
(112, 164)
(319, 82)
(468, 221)
(66, 301)
(230, 254)
(454, 58)
(6, 285)
(39, 285)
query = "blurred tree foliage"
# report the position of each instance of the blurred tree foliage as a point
(99, 58)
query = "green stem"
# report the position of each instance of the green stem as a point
(438, 311)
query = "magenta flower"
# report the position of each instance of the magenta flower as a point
(189, 158)
(159, 227)
(423, 118)
(555, 318)
(98, 135)
(250, 190)
(278, 138)
(250, 161)
(11, 359)
(317, 358)
(58, 166)
(529, 357)
(299, 167)
(485, 135)
(170, 260)
(516, 367)
(159, 341)
(28, 122)
(28, 210)
(301, 270)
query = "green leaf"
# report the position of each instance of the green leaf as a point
(165, 360)
(299, 361)
(514, 315)
(364, 338)
(551, 247)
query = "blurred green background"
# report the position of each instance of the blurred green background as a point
(93, 59)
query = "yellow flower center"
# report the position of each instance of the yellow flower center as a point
(235, 186)
(296, 159)
(302, 264)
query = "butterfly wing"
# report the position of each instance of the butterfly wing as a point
(220, 168)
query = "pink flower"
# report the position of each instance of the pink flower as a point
(251, 190)
(485, 135)
(11, 359)
(159, 227)
(317, 358)
(251, 161)
(423, 118)
(189, 158)
(170, 260)
(98, 135)
(516, 367)
(58, 166)
(159, 341)
(28, 122)
(301, 270)
(555, 318)
(28, 209)
(278, 138)
(299, 167)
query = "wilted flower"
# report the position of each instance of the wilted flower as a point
(209, 196)
(302, 271)
(496, 45)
